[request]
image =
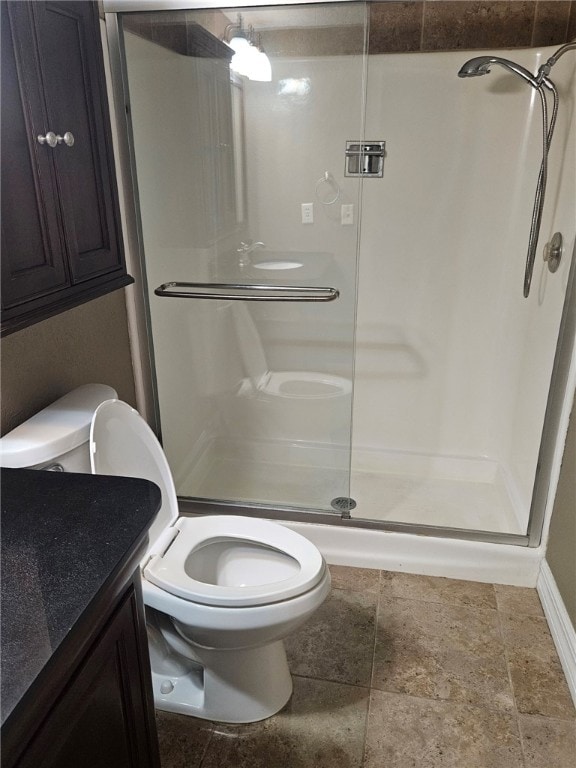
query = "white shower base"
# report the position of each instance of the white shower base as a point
(449, 492)
(426, 555)
(274, 472)
(389, 486)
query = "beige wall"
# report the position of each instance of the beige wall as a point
(86, 344)
(561, 552)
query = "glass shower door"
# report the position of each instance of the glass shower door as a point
(249, 240)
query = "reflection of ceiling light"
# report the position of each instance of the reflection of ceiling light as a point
(238, 43)
(262, 69)
(292, 86)
(249, 59)
(241, 61)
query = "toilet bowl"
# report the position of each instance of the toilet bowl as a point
(221, 592)
(309, 406)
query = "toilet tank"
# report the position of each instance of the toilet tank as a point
(58, 436)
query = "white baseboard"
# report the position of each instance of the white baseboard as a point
(563, 632)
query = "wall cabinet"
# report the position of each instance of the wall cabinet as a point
(61, 235)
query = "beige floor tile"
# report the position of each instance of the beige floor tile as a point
(539, 686)
(441, 652)
(435, 589)
(355, 579)
(323, 726)
(407, 732)
(183, 740)
(337, 643)
(538, 680)
(442, 696)
(518, 600)
(530, 633)
(548, 742)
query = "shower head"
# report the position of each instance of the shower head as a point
(474, 67)
(481, 66)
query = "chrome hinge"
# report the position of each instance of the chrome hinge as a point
(162, 544)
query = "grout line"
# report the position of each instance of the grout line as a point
(329, 680)
(366, 720)
(376, 616)
(422, 23)
(515, 711)
(567, 25)
(208, 743)
(454, 702)
(471, 607)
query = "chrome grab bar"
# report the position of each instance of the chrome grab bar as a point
(239, 292)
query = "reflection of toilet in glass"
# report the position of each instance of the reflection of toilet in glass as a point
(288, 405)
(221, 592)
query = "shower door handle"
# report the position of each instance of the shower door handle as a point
(236, 292)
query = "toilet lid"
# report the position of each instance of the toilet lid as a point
(235, 561)
(121, 443)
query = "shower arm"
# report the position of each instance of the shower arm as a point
(544, 70)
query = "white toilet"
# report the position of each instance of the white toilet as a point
(309, 406)
(221, 592)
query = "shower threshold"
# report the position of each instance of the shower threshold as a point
(395, 490)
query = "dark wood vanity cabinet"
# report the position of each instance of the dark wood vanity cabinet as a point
(76, 684)
(61, 235)
(102, 717)
(97, 711)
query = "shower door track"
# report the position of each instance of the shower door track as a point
(192, 507)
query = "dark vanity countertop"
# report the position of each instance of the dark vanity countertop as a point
(64, 537)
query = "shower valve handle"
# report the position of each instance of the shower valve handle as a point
(553, 251)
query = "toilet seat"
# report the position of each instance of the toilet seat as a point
(305, 384)
(122, 443)
(282, 564)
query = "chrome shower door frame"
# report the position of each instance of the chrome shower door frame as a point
(139, 313)
(563, 373)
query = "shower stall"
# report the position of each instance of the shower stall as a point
(331, 257)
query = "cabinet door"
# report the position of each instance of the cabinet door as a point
(33, 262)
(70, 54)
(101, 720)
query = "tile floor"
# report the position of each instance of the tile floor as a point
(403, 671)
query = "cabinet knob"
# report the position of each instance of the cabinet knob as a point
(53, 139)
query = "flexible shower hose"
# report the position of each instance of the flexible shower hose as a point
(547, 133)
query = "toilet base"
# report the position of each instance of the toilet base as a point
(230, 686)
